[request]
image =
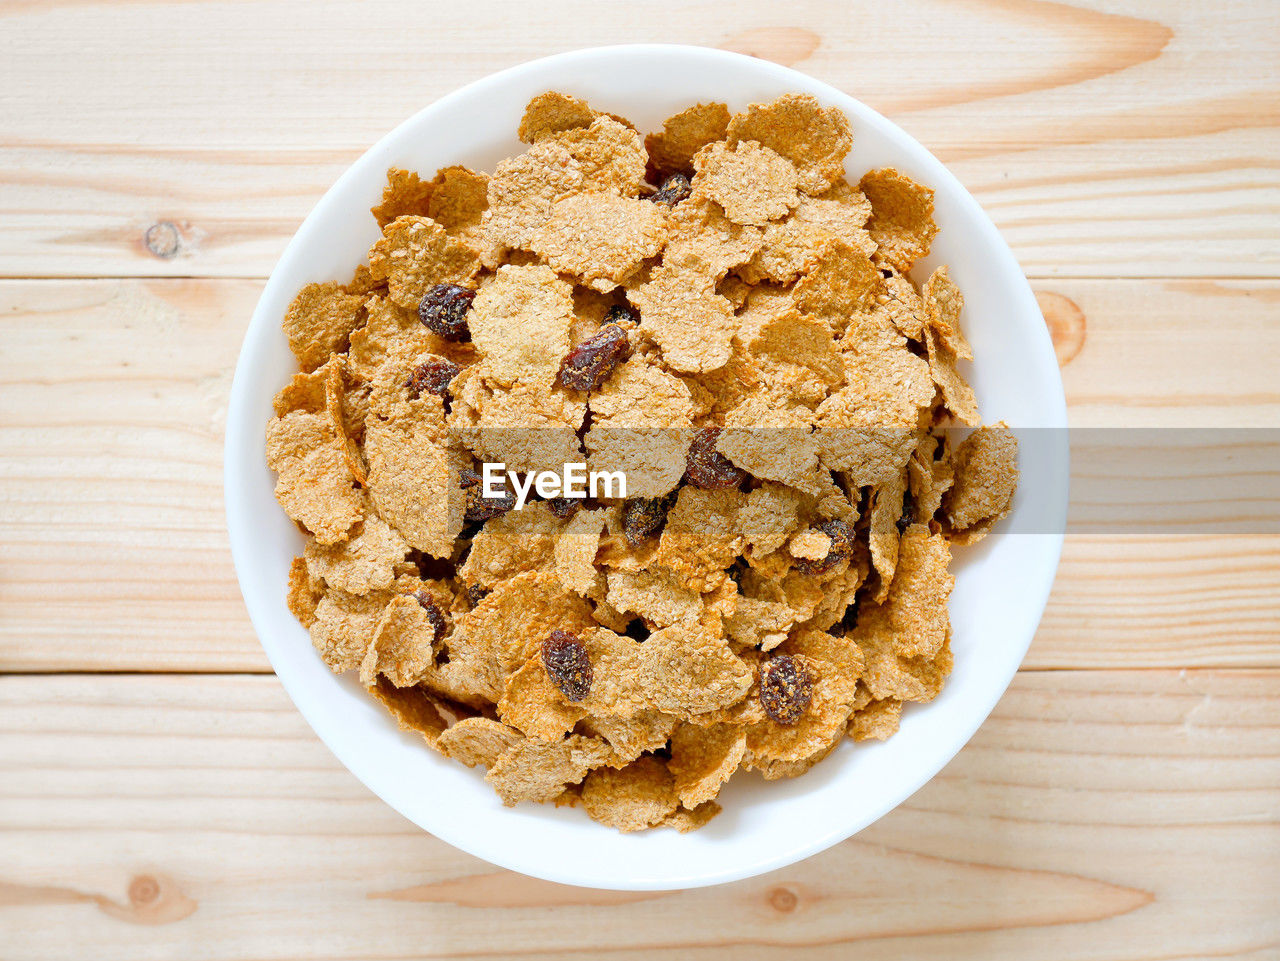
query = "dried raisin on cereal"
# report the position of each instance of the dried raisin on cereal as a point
(643, 517)
(673, 190)
(476, 594)
(433, 614)
(842, 541)
(479, 507)
(567, 664)
(443, 311)
(785, 688)
(433, 376)
(589, 365)
(432, 568)
(564, 507)
(706, 467)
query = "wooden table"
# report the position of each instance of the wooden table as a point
(159, 795)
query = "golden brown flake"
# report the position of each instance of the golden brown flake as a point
(315, 486)
(841, 283)
(703, 759)
(957, 396)
(552, 112)
(689, 321)
(877, 721)
(606, 156)
(414, 710)
(701, 536)
(772, 443)
(305, 592)
(538, 770)
(415, 254)
(629, 737)
(533, 703)
(600, 238)
(513, 543)
(575, 551)
(641, 425)
(363, 563)
(814, 138)
(752, 183)
(319, 322)
(683, 135)
(683, 670)
(640, 795)
(656, 595)
(901, 221)
(886, 510)
(403, 644)
(344, 625)
(413, 478)
(986, 474)
(406, 195)
(477, 740)
(520, 325)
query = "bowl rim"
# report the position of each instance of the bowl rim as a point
(237, 464)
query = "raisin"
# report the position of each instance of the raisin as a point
(443, 311)
(589, 364)
(476, 594)
(673, 190)
(643, 517)
(433, 614)
(842, 537)
(432, 375)
(622, 312)
(433, 568)
(567, 664)
(479, 507)
(564, 506)
(706, 467)
(785, 689)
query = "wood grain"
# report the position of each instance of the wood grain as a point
(1095, 815)
(1105, 138)
(116, 558)
(1127, 151)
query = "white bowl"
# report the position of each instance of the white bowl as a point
(1001, 585)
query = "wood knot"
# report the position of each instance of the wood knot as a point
(783, 900)
(143, 890)
(163, 239)
(784, 45)
(152, 899)
(1066, 324)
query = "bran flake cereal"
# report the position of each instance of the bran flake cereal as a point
(741, 336)
(815, 139)
(751, 183)
(673, 148)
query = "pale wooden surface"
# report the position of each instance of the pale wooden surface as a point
(1124, 800)
(1097, 814)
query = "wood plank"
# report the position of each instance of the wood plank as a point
(1106, 137)
(112, 406)
(1095, 815)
